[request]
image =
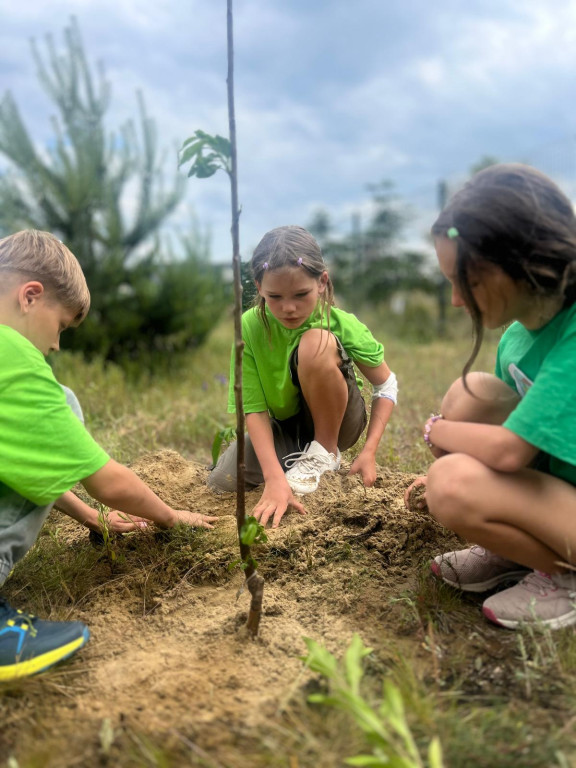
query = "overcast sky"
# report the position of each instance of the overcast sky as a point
(331, 95)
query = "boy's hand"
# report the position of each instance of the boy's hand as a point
(194, 518)
(119, 522)
(274, 502)
(364, 465)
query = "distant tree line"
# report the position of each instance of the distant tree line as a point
(369, 263)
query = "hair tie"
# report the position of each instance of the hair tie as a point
(299, 262)
(265, 266)
(452, 233)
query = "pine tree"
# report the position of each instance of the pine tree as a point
(78, 188)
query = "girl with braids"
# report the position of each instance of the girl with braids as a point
(505, 445)
(301, 397)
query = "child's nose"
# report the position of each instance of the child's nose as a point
(457, 300)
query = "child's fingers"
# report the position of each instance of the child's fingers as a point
(266, 513)
(420, 503)
(207, 521)
(299, 507)
(277, 517)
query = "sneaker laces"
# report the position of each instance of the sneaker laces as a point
(538, 582)
(307, 462)
(17, 617)
(477, 550)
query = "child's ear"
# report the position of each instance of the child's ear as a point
(258, 287)
(323, 281)
(29, 294)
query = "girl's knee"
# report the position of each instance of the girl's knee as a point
(451, 487)
(317, 345)
(485, 399)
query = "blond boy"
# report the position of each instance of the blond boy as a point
(44, 448)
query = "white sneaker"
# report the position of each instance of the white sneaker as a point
(306, 468)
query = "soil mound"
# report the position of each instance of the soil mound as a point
(170, 660)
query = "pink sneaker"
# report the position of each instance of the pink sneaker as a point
(476, 569)
(540, 598)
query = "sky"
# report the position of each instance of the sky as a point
(331, 96)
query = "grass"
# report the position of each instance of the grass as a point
(185, 411)
(495, 699)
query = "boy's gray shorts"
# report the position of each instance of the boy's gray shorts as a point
(293, 434)
(21, 519)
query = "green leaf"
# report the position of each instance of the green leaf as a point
(216, 445)
(252, 532)
(369, 760)
(207, 166)
(189, 141)
(435, 758)
(353, 662)
(248, 533)
(319, 659)
(189, 153)
(393, 698)
(222, 146)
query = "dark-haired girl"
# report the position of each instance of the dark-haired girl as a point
(505, 445)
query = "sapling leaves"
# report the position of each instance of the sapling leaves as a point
(252, 532)
(224, 435)
(207, 154)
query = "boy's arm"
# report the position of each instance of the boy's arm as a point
(75, 508)
(118, 487)
(380, 412)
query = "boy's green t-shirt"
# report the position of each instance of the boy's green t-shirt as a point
(541, 366)
(266, 381)
(44, 448)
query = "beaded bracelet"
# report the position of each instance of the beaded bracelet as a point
(428, 427)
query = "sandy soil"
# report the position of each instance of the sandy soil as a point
(175, 666)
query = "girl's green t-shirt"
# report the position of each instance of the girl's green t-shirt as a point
(541, 366)
(266, 381)
(44, 448)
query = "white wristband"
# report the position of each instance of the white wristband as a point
(389, 389)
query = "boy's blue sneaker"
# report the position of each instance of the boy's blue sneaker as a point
(29, 645)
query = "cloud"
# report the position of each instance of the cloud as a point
(329, 96)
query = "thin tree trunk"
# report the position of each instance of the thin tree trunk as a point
(254, 581)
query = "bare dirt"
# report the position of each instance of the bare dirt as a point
(169, 669)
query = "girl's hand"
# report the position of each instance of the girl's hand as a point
(366, 466)
(420, 502)
(274, 502)
(194, 518)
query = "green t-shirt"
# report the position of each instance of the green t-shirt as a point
(541, 366)
(44, 447)
(267, 385)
